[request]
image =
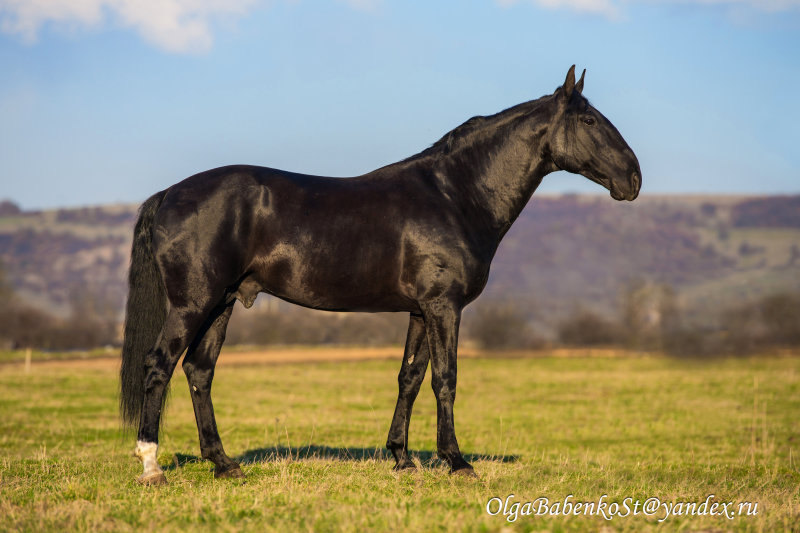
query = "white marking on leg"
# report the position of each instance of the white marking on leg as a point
(147, 454)
(411, 358)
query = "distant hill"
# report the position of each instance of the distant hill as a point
(783, 212)
(574, 252)
(53, 259)
(564, 253)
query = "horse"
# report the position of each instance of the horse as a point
(416, 236)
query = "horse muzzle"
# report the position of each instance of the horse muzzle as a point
(630, 190)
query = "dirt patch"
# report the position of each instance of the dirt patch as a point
(314, 354)
(279, 355)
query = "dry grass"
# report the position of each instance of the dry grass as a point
(310, 439)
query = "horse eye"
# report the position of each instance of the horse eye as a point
(589, 121)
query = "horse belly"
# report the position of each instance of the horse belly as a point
(335, 281)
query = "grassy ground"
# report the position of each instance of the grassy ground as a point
(310, 441)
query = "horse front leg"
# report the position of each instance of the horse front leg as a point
(198, 365)
(412, 372)
(442, 319)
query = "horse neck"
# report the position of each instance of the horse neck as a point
(496, 171)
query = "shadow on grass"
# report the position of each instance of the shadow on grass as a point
(312, 451)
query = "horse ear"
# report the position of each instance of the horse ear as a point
(579, 85)
(569, 83)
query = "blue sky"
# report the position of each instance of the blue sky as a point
(111, 100)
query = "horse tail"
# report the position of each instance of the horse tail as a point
(145, 313)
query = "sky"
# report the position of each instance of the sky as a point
(109, 101)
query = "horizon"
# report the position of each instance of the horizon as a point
(104, 103)
(584, 195)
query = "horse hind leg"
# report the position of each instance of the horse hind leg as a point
(198, 365)
(179, 329)
(412, 372)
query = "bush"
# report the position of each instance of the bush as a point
(496, 325)
(772, 321)
(298, 325)
(25, 327)
(780, 314)
(650, 315)
(90, 325)
(586, 328)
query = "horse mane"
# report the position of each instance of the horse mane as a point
(456, 137)
(445, 144)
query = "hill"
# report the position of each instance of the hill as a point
(573, 252)
(564, 253)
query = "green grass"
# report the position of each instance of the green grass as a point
(310, 438)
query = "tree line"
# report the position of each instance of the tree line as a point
(649, 319)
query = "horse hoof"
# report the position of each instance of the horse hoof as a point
(152, 480)
(231, 473)
(467, 472)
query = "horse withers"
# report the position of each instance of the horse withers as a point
(416, 236)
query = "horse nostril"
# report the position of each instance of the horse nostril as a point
(636, 182)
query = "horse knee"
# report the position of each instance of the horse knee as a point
(189, 369)
(444, 390)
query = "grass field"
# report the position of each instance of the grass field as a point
(310, 438)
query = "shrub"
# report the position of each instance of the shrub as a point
(494, 325)
(586, 328)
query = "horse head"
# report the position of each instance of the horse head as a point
(583, 141)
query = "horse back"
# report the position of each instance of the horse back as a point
(357, 244)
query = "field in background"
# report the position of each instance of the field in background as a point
(310, 437)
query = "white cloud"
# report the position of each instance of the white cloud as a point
(364, 5)
(175, 25)
(613, 8)
(183, 26)
(598, 7)
(601, 7)
(759, 5)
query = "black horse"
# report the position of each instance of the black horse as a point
(416, 236)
